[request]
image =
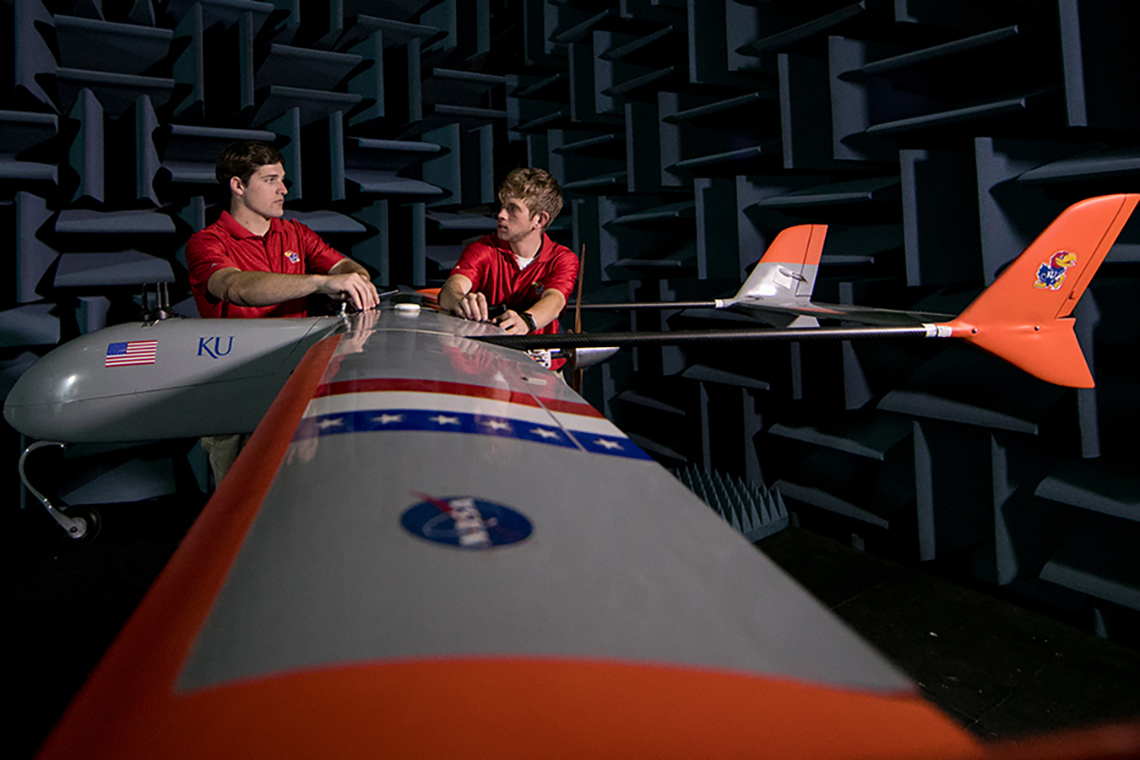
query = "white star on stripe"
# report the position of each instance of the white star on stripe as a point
(325, 424)
(607, 444)
(384, 419)
(544, 433)
(443, 420)
(497, 424)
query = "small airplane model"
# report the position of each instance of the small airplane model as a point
(432, 547)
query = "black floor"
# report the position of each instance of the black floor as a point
(999, 670)
(64, 602)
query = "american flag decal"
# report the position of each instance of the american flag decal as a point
(130, 352)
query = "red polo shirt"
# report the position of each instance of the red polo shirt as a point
(491, 266)
(288, 248)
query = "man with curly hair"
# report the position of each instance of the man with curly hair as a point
(518, 266)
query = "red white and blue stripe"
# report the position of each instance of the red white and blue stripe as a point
(397, 404)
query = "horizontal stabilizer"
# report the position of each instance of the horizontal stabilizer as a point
(1024, 317)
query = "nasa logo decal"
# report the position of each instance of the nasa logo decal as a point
(465, 522)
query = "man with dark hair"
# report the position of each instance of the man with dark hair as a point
(518, 266)
(253, 263)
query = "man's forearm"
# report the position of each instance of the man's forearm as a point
(264, 288)
(348, 266)
(269, 288)
(453, 291)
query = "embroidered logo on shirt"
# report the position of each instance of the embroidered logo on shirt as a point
(538, 288)
(292, 256)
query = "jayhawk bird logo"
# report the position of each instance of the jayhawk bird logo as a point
(1052, 273)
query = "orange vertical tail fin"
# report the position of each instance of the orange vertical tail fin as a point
(1024, 317)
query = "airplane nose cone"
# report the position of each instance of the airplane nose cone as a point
(34, 401)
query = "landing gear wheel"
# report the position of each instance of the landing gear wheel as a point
(91, 521)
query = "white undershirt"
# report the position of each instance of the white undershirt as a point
(524, 263)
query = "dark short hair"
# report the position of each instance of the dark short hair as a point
(536, 187)
(243, 158)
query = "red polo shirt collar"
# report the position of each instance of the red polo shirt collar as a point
(239, 232)
(544, 251)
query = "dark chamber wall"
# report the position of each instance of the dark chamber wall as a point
(936, 138)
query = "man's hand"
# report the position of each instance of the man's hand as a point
(353, 287)
(472, 306)
(512, 323)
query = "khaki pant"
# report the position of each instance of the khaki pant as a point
(222, 451)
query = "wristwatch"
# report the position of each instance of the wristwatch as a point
(529, 319)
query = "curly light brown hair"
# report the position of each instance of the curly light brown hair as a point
(243, 158)
(534, 187)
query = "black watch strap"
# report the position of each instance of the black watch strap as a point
(529, 319)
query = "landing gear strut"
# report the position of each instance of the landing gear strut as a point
(82, 524)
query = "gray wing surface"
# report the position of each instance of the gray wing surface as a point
(623, 562)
